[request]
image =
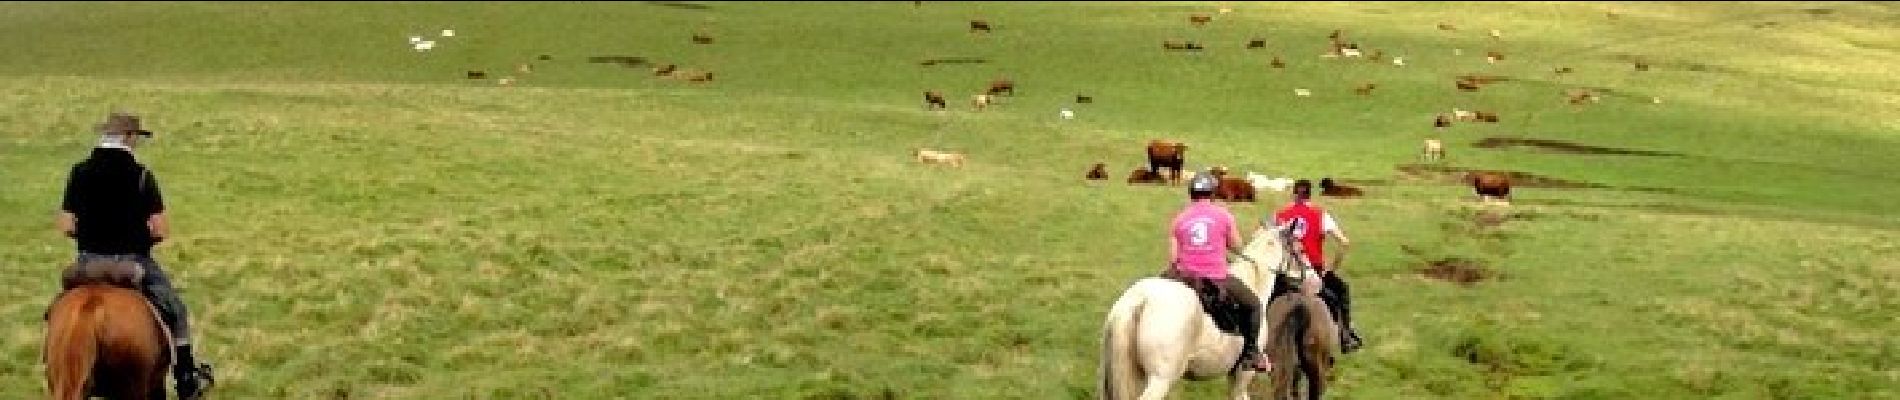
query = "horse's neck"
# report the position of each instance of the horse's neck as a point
(1264, 250)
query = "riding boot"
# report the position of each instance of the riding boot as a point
(1341, 303)
(1247, 306)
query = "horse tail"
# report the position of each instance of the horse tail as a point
(1120, 378)
(73, 347)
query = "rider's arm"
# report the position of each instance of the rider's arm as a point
(154, 202)
(66, 221)
(1332, 228)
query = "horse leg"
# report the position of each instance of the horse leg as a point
(1158, 386)
(1315, 383)
(1238, 388)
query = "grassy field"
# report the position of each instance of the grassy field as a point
(355, 219)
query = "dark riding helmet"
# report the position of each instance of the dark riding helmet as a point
(1203, 184)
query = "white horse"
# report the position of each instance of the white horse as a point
(1157, 334)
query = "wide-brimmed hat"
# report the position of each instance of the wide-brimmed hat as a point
(123, 123)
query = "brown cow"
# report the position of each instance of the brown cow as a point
(1332, 189)
(1482, 116)
(665, 70)
(1490, 185)
(934, 100)
(702, 39)
(1002, 87)
(1441, 122)
(1257, 44)
(1365, 89)
(1642, 65)
(1565, 70)
(979, 25)
(1493, 56)
(1100, 172)
(1467, 85)
(1277, 63)
(1199, 19)
(1165, 154)
(1081, 99)
(1447, 27)
(477, 75)
(1234, 189)
(1180, 45)
(1143, 175)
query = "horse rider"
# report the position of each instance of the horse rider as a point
(1309, 224)
(1201, 235)
(113, 210)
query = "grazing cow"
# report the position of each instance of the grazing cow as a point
(1002, 87)
(1100, 172)
(1642, 65)
(1493, 56)
(1277, 62)
(1482, 116)
(1165, 154)
(1490, 185)
(1467, 85)
(1463, 115)
(701, 77)
(477, 75)
(1377, 56)
(1365, 89)
(980, 101)
(1080, 99)
(1180, 45)
(702, 39)
(544, 57)
(665, 70)
(1331, 189)
(1434, 150)
(524, 68)
(1234, 189)
(1441, 122)
(934, 100)
(1446, 27)
(1565, 70)
(1580, 96)
(1199, 19)
(506, 81)
(979, 25)
(928, 156)
(1257, 44)
(1143, 175)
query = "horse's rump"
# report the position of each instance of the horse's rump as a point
(107, 341)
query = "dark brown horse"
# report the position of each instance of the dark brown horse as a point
(103, 339)
(1301, 341)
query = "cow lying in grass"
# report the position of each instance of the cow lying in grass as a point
(928, 156)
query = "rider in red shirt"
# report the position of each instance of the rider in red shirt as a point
(1310, 224)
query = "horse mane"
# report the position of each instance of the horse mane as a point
(1265, 248)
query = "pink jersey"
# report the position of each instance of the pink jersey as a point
(1200, 236)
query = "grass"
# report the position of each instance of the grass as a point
(355, 220)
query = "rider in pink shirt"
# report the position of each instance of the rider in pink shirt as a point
(1201, 237)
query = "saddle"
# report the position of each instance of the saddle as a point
(1218, 304)
(117, 273)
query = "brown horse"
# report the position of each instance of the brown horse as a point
(1301, 341)
(104, 339)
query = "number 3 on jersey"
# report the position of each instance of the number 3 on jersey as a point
(1197, 233)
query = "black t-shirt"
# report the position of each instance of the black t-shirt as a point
(112, 196)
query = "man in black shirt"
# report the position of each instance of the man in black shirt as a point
(114, 211)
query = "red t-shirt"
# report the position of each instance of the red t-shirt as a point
(1308, 229)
